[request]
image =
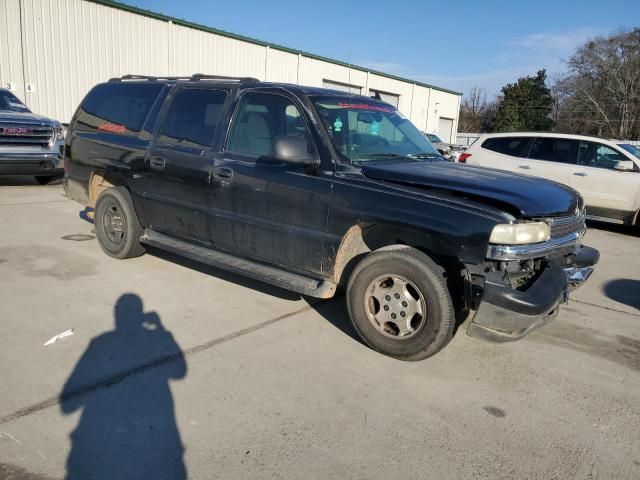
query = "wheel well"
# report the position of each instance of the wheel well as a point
(100, 181)
(361, 239)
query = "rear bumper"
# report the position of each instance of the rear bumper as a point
(49, 163)
(506, 314)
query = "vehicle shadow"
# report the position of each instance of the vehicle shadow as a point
(624, 290)
(224, 274)
(334, 311)
(127, 428)
(614, 228)
(24, 180)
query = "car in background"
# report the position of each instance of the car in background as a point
(30, 144)
(605, 172)
(448, 150)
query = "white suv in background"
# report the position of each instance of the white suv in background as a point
(605, 172)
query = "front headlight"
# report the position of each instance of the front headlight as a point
(520, 233)
(60, 132)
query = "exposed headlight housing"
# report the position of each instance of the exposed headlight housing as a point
(60, 131)
(520, 233)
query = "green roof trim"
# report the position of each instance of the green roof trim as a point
(204, 28)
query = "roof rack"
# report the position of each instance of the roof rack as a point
(196, 77)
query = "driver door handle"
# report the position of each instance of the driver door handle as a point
(580, 174)
(223, 172)
(157, 163)
(524, 167)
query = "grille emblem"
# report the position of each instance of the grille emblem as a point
(16, 131)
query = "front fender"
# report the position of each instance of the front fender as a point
(367, 215)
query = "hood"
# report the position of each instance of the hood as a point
(530, 196)
(20, 117)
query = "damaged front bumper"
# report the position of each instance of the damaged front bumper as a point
(507, 314)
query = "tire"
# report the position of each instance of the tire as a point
(117, 226)
(431, 325)
(44, 179)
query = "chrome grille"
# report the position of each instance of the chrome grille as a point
(563, 226)
(25, 135)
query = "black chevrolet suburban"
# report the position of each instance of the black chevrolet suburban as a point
(313, 190)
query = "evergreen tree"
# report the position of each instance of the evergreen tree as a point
(525, 106)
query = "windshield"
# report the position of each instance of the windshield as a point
(433, 138)
(632, 149)
(363, 130)
(10, 103)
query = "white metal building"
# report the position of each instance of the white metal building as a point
(53, 51)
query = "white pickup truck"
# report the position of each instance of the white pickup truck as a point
(29, 144)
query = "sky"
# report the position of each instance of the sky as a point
(456, 45)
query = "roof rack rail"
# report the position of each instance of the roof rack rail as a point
(202, 76)
(195, 77)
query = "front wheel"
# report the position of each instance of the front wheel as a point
(399, 303)
(117, 226)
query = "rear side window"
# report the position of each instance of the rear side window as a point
(117, 107)
(193, 117)
(514, 146)
(560, 150)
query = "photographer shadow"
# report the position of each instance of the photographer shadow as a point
(127, 428)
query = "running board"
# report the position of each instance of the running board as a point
(605, 219)
(248, 268)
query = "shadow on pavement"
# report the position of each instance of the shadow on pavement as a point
(224, 275)
(624, 290)
(128, 431)
(334, 311)
(22, 180)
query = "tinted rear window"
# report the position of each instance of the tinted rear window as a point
(560, 150)
(514, 146)
(193, 117)
(118, 107)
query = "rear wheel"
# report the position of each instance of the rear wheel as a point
(399, 303)
(117, 226)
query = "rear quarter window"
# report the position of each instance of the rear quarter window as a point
(514, 146)
(117, 107)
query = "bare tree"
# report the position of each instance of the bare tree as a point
(472, 110)
(601, 92)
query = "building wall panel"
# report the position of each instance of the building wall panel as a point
(442, 104)
(281, 66)
(64, 47)
(70, 45)
(11, 47)
(313, 71)
(420, 107)
(396, 87)
(192, 51)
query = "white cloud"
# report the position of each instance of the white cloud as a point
(519, 57)
(560, 43)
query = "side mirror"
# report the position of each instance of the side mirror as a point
(624, 165)
(293, 150)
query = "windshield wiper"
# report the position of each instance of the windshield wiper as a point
(385, 154)
(424, 155)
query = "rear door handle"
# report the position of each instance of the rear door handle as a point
(223, 172)
(524, 167)
(157, 163)
(580, 174)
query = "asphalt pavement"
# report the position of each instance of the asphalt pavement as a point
(176, 370)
